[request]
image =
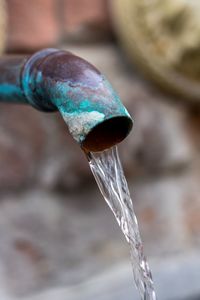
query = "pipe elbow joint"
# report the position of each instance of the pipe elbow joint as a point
(59, 80)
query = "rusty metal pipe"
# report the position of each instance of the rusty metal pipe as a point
(53, 80)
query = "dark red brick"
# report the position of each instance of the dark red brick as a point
(87, 20)
(32, 24)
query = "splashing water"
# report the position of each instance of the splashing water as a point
(107, 170)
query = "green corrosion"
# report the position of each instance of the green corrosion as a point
(82, 108)
(52, 80)
(83, 96)
(11, 93)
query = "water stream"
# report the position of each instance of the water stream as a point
(107, 170)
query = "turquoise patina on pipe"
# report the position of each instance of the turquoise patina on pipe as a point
(10, 80)
(11, 93)
(53, 80)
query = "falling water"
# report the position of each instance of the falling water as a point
(107, 170)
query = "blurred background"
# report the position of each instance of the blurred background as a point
(58, 239)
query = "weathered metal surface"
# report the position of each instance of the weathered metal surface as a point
(33, 88)
(10, 79)
(82, 94)
(53, 79)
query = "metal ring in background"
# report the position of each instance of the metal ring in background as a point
(163, 38)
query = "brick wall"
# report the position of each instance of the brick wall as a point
(45, 23)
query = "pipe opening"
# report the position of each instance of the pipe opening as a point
(107, 134)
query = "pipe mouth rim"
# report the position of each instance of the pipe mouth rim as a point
(107, 134)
